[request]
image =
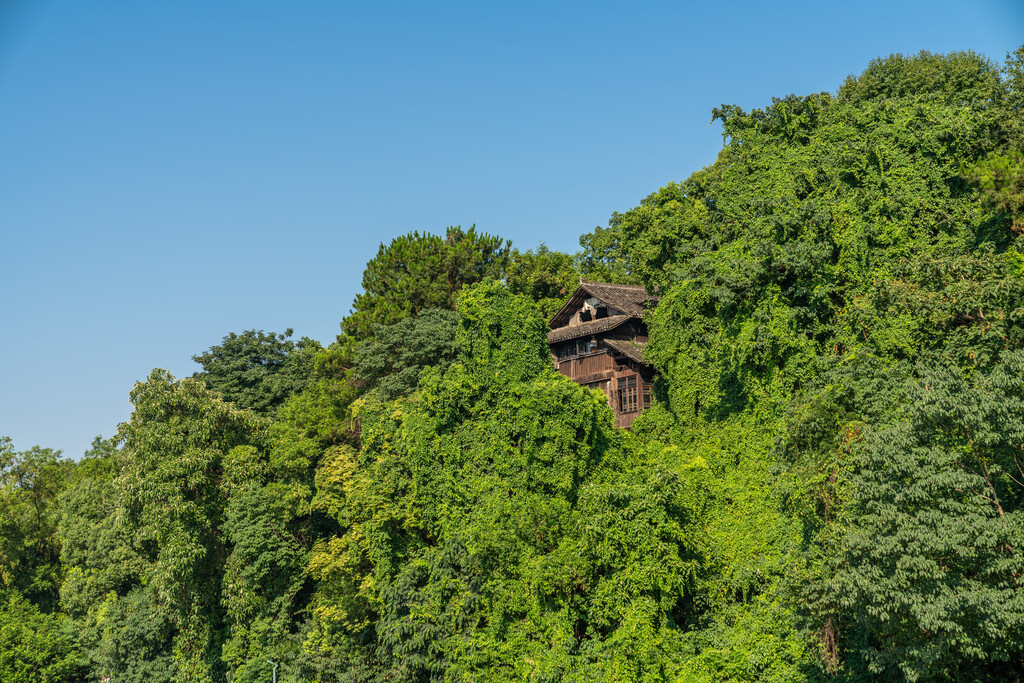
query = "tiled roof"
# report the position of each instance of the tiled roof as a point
(630, 299)
(627, 298)
(628, 349)
(586, 329)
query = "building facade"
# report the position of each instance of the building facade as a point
(597, 339)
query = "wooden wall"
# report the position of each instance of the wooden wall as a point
(601, 370)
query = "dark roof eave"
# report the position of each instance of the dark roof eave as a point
(628, 349)
(587, 329)
(566, 308)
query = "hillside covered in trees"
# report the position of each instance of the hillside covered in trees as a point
(828, 487)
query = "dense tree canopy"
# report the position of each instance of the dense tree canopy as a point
(832, 259)
(488, 523)
(828, 487)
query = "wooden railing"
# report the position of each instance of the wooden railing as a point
(586, 365)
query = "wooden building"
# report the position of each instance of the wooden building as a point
(598, 338)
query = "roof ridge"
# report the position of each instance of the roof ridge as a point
(611, 284)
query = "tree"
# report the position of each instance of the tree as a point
(267, 524)
(933, 554)
(829, 485)
(953, 78)
(1000, 177)
(416, 272)
(34, 647)
(30, 482)
(256, 370)
(1013, 102)
(136, 640)
(546, 277)
(833, 232)
(174, 507)
(390, 361)
(118, 628)
(604, 256)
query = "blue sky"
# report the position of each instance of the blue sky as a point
(173, 172)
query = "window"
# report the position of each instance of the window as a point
(627, 394)
(647, 395)
(575, 347)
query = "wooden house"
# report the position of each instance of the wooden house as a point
(597, 339)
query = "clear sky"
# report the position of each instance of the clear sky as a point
(171, 172)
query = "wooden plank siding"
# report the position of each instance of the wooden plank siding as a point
(590, 365)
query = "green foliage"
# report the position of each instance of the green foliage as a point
(1013, 101)
(136, 637)
(264, 583)
(176, 441)
(546, 277)
(174, 507)
(1000, 177)
(101, 560)
(494, 527)
(955, 78)
(390, 361)
(30, 482)
(273, 520)
(416, 272)
(35, 647)
(657, 228)
(751, 643)
(826, 226)
(829, 485)
(832, 248)
(256, 370)
(501, 338)
(932, 559)
(605, 256)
